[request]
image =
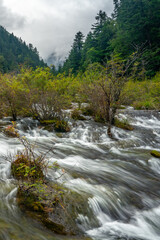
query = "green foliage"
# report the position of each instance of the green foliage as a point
(61, 126)
(76, 115)
(134, 25)
(97, 44)
(34, 93)
(95, 48)
(99, 117)
(11, 95)
(142, 94)
(124, 124)
(48, 122)
(87, 111)
(75, 55)
(14, 52)
(103, 86)
(155, 153)
(25, 168)
(138, 25)
(28, 166)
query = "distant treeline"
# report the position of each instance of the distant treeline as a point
(14, 52)
(134, 25)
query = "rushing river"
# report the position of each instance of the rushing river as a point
(121, 178)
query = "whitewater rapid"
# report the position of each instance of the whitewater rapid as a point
(120, 178)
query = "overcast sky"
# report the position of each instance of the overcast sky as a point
(50, 25)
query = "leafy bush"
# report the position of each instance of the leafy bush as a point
(87, 111)
(25, 167)
(61, 126)
(76, 115)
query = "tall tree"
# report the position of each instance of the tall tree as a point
(97, 44)
(101, 19)
(74, 60)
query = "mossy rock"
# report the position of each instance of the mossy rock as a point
(59, 135)
(155, 153)
(55, 124)
(48, 122)
(123, 124)
(77, 116)
(56, 207)
(121, 107)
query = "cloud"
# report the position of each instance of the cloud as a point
(51, 25)
(10, 20)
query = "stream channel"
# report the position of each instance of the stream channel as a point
(120, 177)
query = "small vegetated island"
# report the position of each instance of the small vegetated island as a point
(115, 65)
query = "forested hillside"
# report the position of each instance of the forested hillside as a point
(134, 25)
(15, 52)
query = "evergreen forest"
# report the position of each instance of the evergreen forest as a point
(134, 25)
(14, 52)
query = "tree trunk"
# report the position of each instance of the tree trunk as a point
(109, 132)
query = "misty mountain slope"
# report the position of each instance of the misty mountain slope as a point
(15, 52)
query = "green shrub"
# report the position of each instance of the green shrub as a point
(76, 115)
(99, 119)
(124, 124)
(61, 126)
(144, 105)
(26, 168)
(87, 111)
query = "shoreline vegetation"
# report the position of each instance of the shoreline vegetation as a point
(45, 97)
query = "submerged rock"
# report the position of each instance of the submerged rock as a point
(56, 207)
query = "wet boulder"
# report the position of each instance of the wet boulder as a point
(54, 206)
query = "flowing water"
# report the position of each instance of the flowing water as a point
(120, 177)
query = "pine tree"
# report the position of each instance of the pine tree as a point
(74, 60)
